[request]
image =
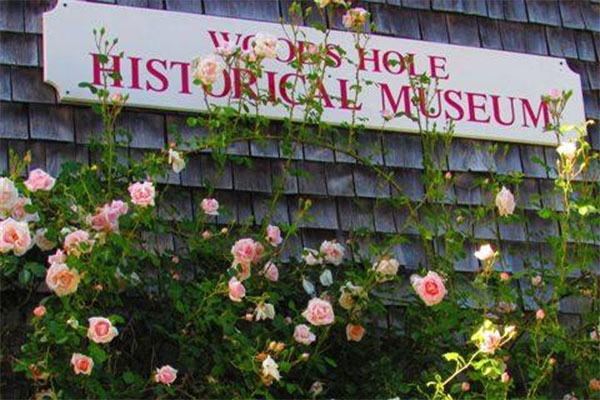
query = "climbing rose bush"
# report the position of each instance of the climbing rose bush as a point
(127, 296)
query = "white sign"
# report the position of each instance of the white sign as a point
(489, 94)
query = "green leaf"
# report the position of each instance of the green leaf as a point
(24, 276)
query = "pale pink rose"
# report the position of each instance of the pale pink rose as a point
(271, 272)
(39, 180)
(490, 342)
(101, 330)
(465, 387)
(387, 267)
(505, 377)
(244, 251)
(355, 333)
(82, 364)
(62, 280)
(57, 258)
(485, 252)
(430, 288)
(311, 257)
(39, 311)
(78, 242)
(265, 45)
(15, 237)
(226, 49)
(119, 206)
(387, 115)
(319, 312)
(302, 334)
(165, 375)
(264, 311)
(355, 18)
(206, 235)
(555, 93)
(42, 241)
(8, 196)
(567, 150)
(107, 217)
(594, 335)
(18, 211)
(176, 161)
(540, 314)
(116, 98)
(505, 201)
(274, 235)
(142, 193)
(210, 206)
(236, 290)
(207, 70)
(332, 252)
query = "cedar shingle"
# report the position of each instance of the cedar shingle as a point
(421, 4)
(591, 103)
(13, 121)
(489, 32)
(543, 12)
(433, 26)
(591, 15)
(11, 16)
(402, 150)
(585, 46)
(470, 156)
(511, 230)
(59, 153)
(192, 173)
(52, 122)
(323, 213)
(28, 86)
(463, 30)
(570, 11)
(312, 180)
(594, 75)
(255, 177)
(34, 10)
(528, 195)
(356, 213)
(448, 5)
(515, 10)
(531, 157)
(147, 130)
(368, 184)
(513, 37)
(535, 40)
(495, 9)
(340, 180)
(467, 192)
(287, 181)
(262, 209)
(262, 10)
(561, 42)
(18, 49)
(507, 158)
(475, 7)
(219, 177)
(409, 180)
(5, 89)
(405, 23)
(580, 68)
(185, 6)
(384, 217)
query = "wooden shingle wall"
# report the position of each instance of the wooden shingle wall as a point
(344, 195)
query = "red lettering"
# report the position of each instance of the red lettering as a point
(535, 118)
(184, 68)
(283, 87)
(454, 104)
(387, 63)
(99, 69)
(226, 86)
(164, 82)
(473, 107)
(386, 97)
(135, 73)
(241, 86)
(434, 66)
(344, 97)
(363, 60)
(498, 113)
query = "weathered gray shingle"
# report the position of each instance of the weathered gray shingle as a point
(543, 12)
(51, 122)
(585, 46)
(185, 6)
(263, 10)
(515, 10)
(489, 32)
(255, 177)
(33, 14)
(340, 180)
(495, 9)
(18, 49)
(463, 30)
(5, 89)
(570, 12)
(28, 86)
(561, 42)
(11, 16)
(13, 121)
(433, 26)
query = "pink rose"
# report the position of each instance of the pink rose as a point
(490, 341)
(274, 235)
(355, 333)
(142, 193)
(355, 18)
(485, 252)
(555, 93)
(540, 314)
(505, 377)
(465, 387)
(387, 115)
(39, 311)
(332, 252)
(236, 290)
(101, 330)
(82, 364)
(62, 280)
(116, 98)
(78, 242)
(39, 180)
(226, 49)
(505, 201)
(15, 237)
(57, 258)
(165, 375)
(207, 70)
(42, 241)
(265, 45)
(319, 312)
(107, 217)
(302, 334)
(270, 272)
(430, 288)
(18, 211)
(8, 196)
(210, 206)
(387, 267)
(505, 276)
(245, 252)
